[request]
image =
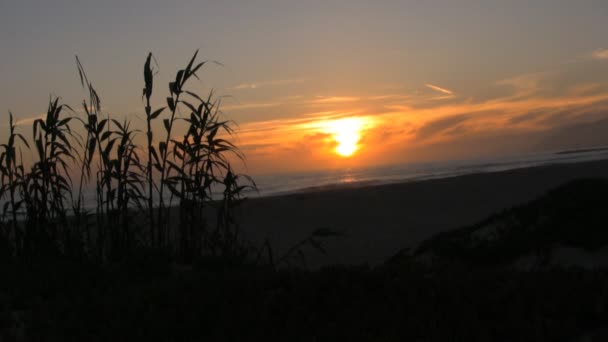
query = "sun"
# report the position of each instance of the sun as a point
(346, 133)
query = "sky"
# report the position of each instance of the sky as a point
(389, 82)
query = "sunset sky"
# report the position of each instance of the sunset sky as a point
(409, 81)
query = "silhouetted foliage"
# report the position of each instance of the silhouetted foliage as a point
(572, 215)
(44, 214)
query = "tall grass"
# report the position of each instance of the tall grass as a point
(129, 180)
(150, 116)
(48, 186)
(12, 181)
(176, 89)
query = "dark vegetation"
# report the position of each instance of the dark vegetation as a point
(572, 215)
(133, 268)
(400, 301)
(44, 213)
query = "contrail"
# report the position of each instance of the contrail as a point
(439, 89)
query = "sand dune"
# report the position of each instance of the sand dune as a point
(378, 221)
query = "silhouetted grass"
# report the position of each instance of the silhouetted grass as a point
(12, 180)
(54, 218)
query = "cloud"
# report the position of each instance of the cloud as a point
(250, 106)
(600, 54)
(527, 117)
(438, 98)
(434, 127)
(325, 113)
(327, 103)
(256, 85)
(336, 99)
(526, 85)
(389, 97)
(439, 89)
(585, 89)
(28, 121)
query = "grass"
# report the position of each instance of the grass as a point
(51, 204)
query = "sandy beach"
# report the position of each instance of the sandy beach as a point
(378, 221)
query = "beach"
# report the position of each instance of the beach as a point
(377, 221)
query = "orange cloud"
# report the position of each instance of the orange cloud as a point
(336, 99)
(600, 54)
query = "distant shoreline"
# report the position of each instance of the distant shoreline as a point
(376, 182)
(583, 150)
(285, 184)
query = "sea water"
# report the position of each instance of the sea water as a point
(269, 185)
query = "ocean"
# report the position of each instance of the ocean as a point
(272, 185)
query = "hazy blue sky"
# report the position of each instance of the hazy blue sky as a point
(281, 57)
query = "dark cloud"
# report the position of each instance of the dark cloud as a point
(568, 117)
(308, 144)
(580, 135)
(457, 130)
(434, 127)
(253, 147)
(528, 117)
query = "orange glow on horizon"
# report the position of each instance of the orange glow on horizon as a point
(402, 129)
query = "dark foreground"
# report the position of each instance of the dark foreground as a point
(63, 301)
(466, 285)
